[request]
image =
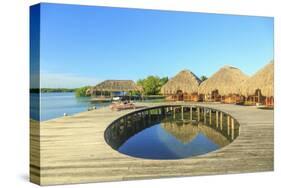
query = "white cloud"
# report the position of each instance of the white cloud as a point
(62, 80)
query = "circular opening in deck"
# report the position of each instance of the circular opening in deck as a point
(171, 132)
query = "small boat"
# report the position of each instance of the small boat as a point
(122, 106)
(101, 99)
(116, 98)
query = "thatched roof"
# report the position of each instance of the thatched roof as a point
(263, 80)
(227, 80)
(187, 132)
(183, 133)
(216, 136)
(116, 85)
(185, 81)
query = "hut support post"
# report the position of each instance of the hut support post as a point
(174, 109)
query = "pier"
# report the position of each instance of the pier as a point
(72, 149)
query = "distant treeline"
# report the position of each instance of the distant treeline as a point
(151, 85)
(60, 90)
(79, 92)
(50, 90)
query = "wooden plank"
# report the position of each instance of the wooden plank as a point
(73, 150)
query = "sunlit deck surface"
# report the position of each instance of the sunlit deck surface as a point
(73, 150)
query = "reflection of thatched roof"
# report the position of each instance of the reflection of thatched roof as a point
(185, 81)
(183, 133)
(217, 137)
(116, 85)
(263, 80)
(227, 80)
(186, 133)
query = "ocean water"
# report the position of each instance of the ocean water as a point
(54, 105)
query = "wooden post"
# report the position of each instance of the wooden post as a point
(174, 112)
(205, 116)
(142, 120)
(259, 96)
(221, 115)
(217, 119)
(228, 125)
(149, 117)
(198, 114)
(210, 118)
(126, 125)
(182, 113)
(190, 111)
(232, 128)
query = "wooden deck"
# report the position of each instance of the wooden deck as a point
(73, 150)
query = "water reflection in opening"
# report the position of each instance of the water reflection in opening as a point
(171, 132)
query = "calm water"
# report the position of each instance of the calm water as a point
(167, 137)
(158, 143)
(54, 105)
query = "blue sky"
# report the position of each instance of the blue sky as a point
(83, 45)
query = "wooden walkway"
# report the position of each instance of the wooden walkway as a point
(73, 150)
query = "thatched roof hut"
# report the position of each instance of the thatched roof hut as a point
(263, 80)
(116, 86)
(227, 80)
(186, 81)
(187, 132)
(183, 133)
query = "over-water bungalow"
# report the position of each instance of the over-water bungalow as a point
(259, 89)
(182, 87)
(111, 88)
(233, 99)
(223, 86)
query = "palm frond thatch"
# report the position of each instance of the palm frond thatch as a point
(227, 80)
(263, 80)
(183, 133)
(116, 85)
(186, 81)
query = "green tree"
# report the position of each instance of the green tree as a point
(152, 84)
(82, 92)
(164, 80)
(203, 78)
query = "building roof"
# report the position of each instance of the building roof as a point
(185, 80)
(227, 80)
(263, 80)
(116, 85)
